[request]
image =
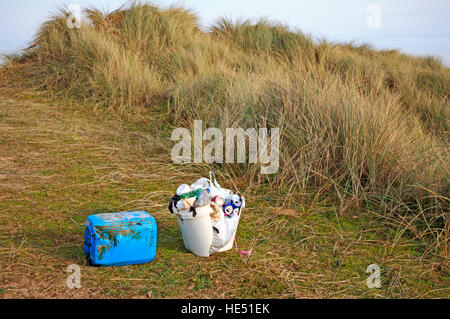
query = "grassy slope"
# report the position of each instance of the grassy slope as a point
(58, 166)
(367, 127)
(364, 171)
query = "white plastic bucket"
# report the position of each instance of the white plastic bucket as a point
(196, 231)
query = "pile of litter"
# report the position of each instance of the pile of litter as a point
(208, 216)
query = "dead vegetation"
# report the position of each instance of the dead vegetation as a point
(364, 172)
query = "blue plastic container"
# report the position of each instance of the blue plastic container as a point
(118, 239)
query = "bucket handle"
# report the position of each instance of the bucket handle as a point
(214, 182)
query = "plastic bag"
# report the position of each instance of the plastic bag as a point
(209, 192)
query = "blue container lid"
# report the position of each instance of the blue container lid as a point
(120, 218)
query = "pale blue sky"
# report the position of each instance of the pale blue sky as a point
(416, 27)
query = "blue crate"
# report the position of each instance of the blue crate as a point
(117, 239)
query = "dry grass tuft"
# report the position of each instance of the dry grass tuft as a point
(366, 128)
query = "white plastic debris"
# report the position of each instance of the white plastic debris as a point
(195, 230)
(208, 215)
(183, 188)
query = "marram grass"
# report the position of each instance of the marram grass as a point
(369, 128)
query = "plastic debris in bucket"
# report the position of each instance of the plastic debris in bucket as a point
(208, 216)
